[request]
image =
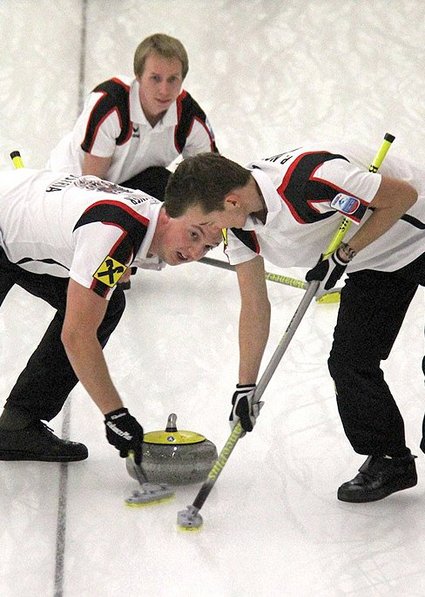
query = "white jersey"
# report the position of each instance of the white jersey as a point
(308, 190)
(79, 227)
(113, 124)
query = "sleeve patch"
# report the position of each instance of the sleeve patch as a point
(346, 204)
(109, 271)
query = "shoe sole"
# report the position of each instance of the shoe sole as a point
(379, 495)
(16, 456)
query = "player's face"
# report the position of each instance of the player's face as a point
(159, 85)
(182, 242)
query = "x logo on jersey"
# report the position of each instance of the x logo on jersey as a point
(110, 271)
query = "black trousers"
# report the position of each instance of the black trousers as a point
(153, 181)
(372, 310)
(43, 386)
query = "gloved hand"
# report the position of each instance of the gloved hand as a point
(243, 407)
(125, 433)
(327, 271)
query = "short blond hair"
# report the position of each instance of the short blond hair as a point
(163, 45)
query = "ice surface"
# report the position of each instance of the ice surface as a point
(271, 75)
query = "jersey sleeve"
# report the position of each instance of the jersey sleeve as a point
(317, 184)
(241, 246)
(354, 188)
(193, 133)
(99, 125)
(95, 263)
(106, 240)
(200, 138)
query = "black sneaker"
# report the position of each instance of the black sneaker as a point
(37, 442)
(378, 477)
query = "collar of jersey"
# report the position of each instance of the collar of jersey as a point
(137, 114)
(270, 195)
(142, 254)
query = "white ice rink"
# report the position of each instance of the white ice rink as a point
(270, 74)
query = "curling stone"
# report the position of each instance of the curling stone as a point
(176, 457)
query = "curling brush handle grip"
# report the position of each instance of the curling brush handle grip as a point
(15, 156)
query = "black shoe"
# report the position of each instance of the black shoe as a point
(378, 477)
(37, 442)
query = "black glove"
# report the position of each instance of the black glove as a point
(125, 433)
(243, 407)
(327, 271)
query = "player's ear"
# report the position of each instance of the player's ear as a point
(231, 200)
(163, 218)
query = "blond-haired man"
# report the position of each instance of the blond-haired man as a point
(131, 129)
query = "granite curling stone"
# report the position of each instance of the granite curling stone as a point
(176, 457)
